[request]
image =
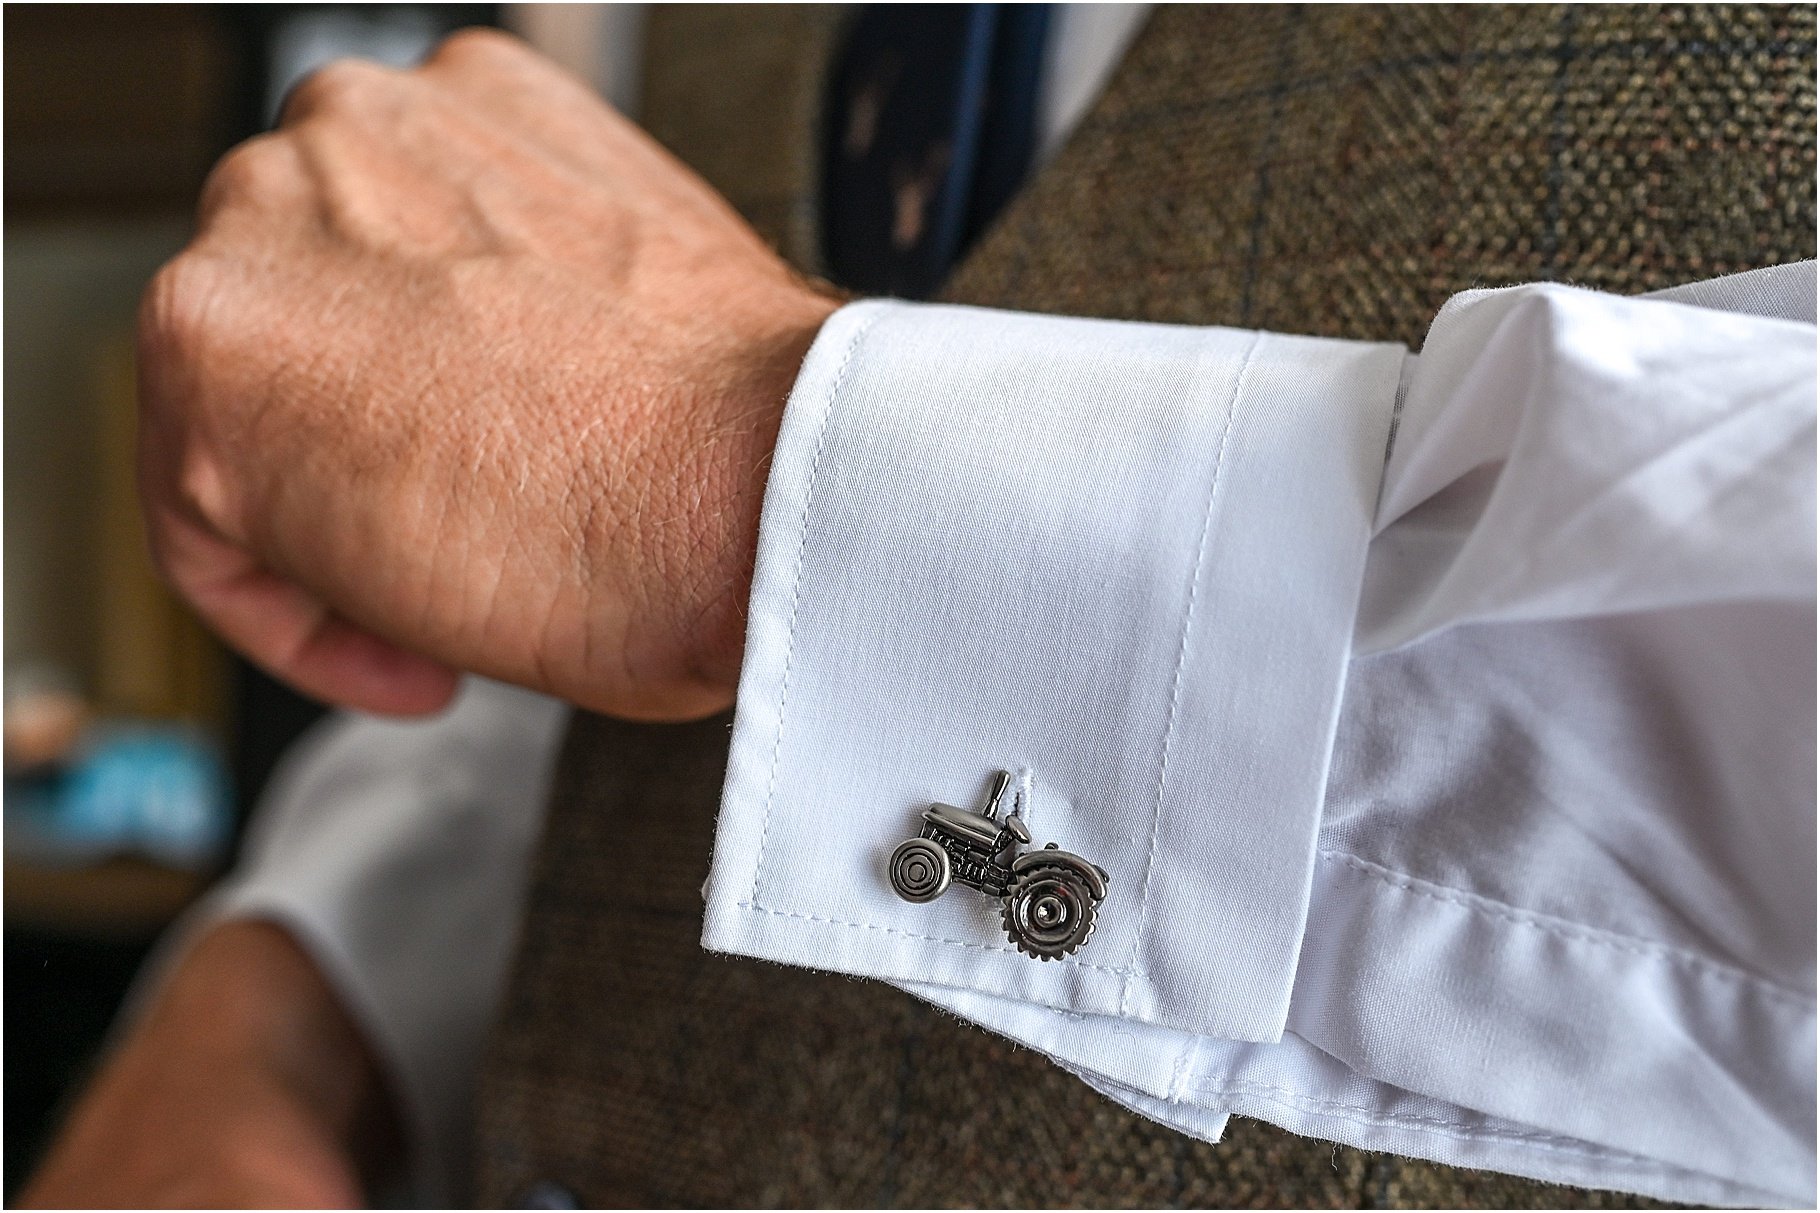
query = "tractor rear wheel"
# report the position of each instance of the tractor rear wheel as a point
(1049, 911)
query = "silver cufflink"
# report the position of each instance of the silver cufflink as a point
(1050, 898)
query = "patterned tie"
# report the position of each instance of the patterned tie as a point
(931, 128)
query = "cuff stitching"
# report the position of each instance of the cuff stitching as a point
(796, 581)
(958, 943)
(1181, 662)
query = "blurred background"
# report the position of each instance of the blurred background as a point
(133, 742)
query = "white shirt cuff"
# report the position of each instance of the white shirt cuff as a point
(993, 540)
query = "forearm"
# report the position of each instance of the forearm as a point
(245, 1083)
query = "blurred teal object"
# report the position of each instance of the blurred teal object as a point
(159, 791)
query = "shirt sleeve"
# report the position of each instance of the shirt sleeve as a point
(1424, 712)
(397, 854)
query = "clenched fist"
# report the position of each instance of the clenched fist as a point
(463, 371)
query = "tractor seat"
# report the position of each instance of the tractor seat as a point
(976, 828)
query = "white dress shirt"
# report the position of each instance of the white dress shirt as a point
(1445, 724)
(1458, 803)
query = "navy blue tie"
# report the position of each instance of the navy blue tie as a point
(931, 128)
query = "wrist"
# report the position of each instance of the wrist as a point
(255, 998)
(245, 1082)
(741, 469)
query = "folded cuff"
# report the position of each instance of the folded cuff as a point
(1121, 561)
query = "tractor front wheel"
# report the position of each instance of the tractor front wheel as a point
(920, 870)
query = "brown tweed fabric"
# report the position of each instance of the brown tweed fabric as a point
(737, 93)
(1329, 170)
(1341, 170)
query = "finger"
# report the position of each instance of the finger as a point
(296, 637)
(490, 59)
(354, 88)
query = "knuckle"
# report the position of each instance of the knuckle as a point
(177, 474)
(187, 491)
(338, 86)
(257, 168)
(199, 487)
(162, 514)
(173, 311)
(478, 46)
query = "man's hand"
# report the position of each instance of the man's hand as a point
(245, 1084)
(463, 371)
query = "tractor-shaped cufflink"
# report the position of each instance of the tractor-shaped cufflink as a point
(1050, 897)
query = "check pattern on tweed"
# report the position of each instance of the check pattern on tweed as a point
(1329, 170)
